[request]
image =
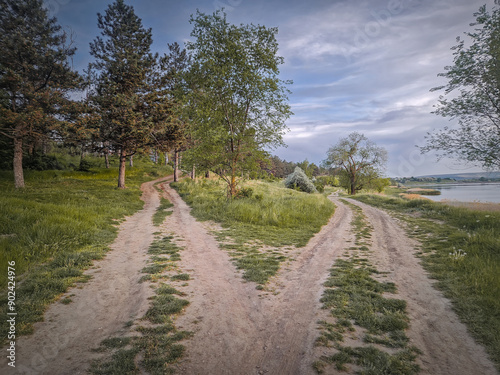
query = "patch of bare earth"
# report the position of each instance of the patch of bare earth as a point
(447, 347)
(62, 343)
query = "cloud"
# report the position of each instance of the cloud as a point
(357, 65)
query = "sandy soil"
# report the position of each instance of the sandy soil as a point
(434, 328)
(238, 329)
(61, 343)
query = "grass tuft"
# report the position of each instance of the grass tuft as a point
(162, 211)
(360, 308)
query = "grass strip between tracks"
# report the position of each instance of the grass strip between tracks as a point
(373, 325)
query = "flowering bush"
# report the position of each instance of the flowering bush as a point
(299, 180)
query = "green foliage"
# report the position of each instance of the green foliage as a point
(462, 254)
(126, 90)
(36, 76)
(328, 180)
(237, 102)
(298, 180)
(475, 76)
(360, 160)
(379, 184)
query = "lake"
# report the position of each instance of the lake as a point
(486, 192)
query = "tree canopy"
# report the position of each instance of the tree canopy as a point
(474, 78)
(237, 103)
(360, 161)
(35, 76)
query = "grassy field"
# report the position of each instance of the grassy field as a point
(461, 250)
(259, 225)
(56, 226)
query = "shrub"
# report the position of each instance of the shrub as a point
(299, 180)
(244, 193)
(40, 162)
(84, 166)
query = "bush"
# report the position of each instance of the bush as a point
(244, 193)
(299, 180)
(39, 162)
(84, 166)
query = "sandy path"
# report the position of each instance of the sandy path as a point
(434, 328)
(100, 307)
(238, 329)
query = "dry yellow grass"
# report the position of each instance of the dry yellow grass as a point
(478, 206)
(413, 196)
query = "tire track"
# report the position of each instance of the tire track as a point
(238, 330)
(447, 347)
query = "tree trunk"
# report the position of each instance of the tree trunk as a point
(166, 158)
(353, 187)
(106, 159)
(131, 162)
(232, 186)
(193, 172)
(207, 174)
(176, 166)
(18, 163)
(121, 170)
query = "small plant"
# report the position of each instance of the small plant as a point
(162, 211)
(458, 254)
(244, 192)
(299, 180)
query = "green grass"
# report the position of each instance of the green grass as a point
(270, 217)
(461, 250)
(55, 228)
(162, 211)
(359, 307)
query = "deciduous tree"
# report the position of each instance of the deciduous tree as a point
(238, 103)
(475, 76)
(359, 159)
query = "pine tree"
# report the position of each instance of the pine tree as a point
(35, 76)
(127, 91)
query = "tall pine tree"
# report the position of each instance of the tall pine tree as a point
(127, 91)
(35, 76)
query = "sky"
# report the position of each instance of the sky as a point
(356, 65)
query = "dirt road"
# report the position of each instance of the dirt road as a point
(238, 329)
(61, 343)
